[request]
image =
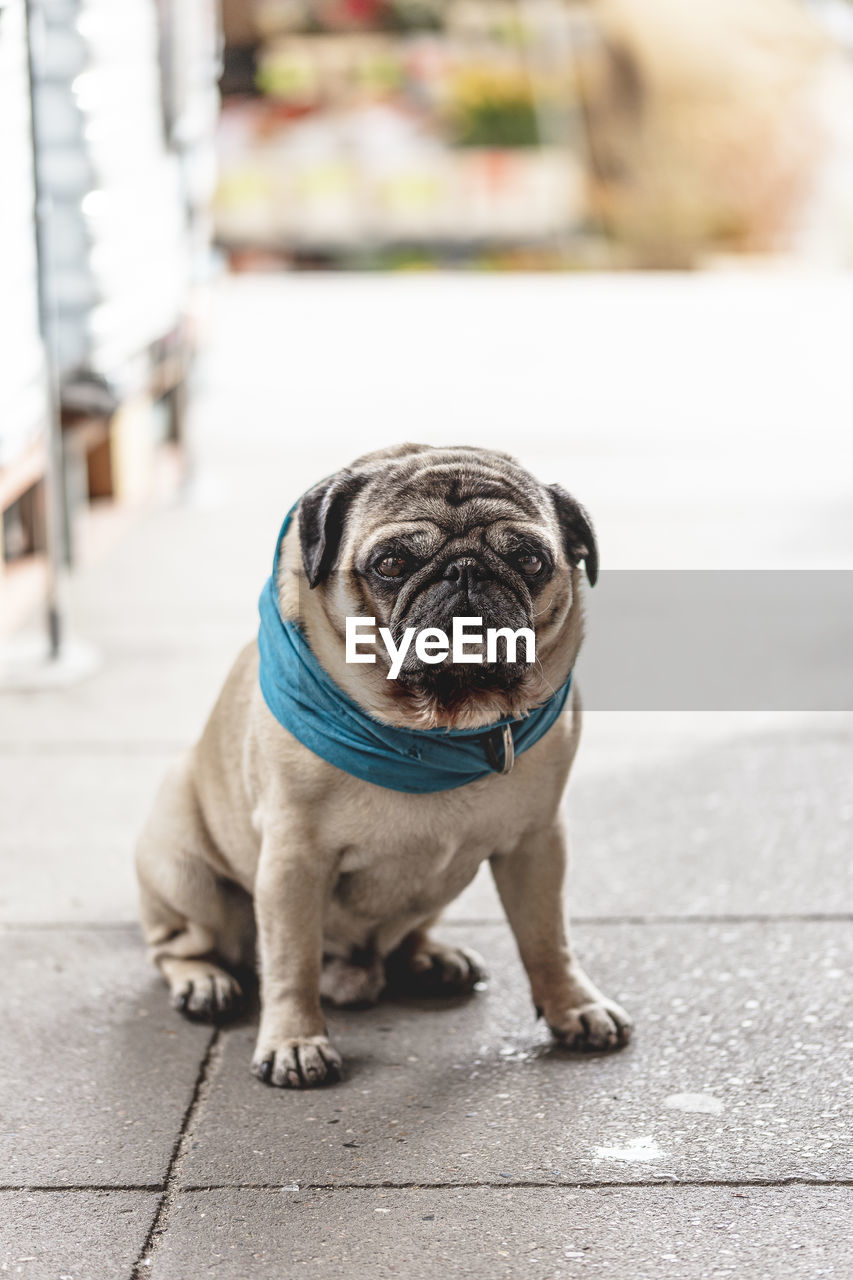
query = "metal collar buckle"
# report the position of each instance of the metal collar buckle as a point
(501, 761)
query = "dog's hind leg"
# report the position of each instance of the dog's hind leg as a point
(423, 966)
(194, 921)
(354, 982)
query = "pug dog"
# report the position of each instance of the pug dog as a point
(260, 851)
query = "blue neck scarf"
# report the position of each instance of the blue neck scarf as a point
(307, 702)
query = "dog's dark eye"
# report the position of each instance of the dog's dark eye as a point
(529, 564)
(391, 567)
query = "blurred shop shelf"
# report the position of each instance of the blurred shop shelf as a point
(22, 473)
(22, 562)
(453, 129)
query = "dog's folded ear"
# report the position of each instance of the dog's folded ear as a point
(576, 527)
(322, 516)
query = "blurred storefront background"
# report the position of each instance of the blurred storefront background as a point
(107, 156)
(534, 133)
(150, 145)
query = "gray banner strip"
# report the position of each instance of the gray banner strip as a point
(707, 640)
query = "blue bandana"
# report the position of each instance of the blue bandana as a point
(307, 702)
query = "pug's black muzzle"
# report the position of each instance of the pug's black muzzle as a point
(464, 587)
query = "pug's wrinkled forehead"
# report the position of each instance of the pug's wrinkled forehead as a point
(449, 504)
(432, 498)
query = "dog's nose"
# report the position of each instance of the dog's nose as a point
(464, 571)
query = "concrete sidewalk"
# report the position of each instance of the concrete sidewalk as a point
(712, 889)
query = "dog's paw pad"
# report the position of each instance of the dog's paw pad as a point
(599, 1025)
(298, 1063)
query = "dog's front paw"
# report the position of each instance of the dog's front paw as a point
(597, 1025)
(299, 1063)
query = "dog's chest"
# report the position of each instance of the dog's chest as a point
(414, 859)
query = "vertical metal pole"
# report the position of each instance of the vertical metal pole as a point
(54, 507)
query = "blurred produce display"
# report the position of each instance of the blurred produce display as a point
(377, 126)
(642, 133)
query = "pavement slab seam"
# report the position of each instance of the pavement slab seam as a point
(143, 1266)
(71, 1187)
(532, 1184)
(192, 1188)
